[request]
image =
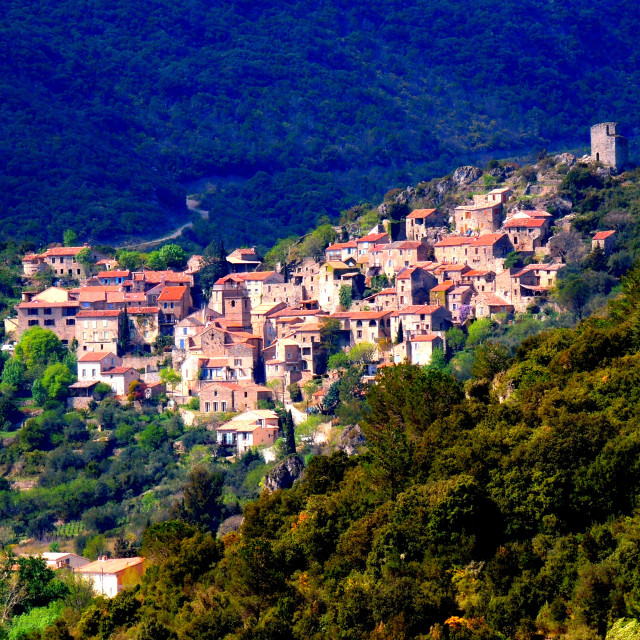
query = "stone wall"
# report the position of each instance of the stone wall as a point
(608, 146)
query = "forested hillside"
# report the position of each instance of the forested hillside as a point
(504, 509)
(108, 112)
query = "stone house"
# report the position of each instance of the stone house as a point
(366, 326)
(305, 276)
(230, 299)
(481, 281)
(420, 348)
(413, 286)
(62, 260)
(452, 249)
(174, 303)
(392, 257)
(283, 362)
(420, 220)
(99, 330)
(522, 286)
(105, 366)
(51, 309)
(420, 320)
(488, 305)
(113, 276)
(285, 292)
(478, 217)
(606, 240)
(452, 272)
(250, 429)
(527, 234)
(257, 284)
(341, 251)
(608, 146)
(488, 251)
(500, 195)
(439, 295)
(144, 325)
(231, 396)
(260, 324)
(185, 330)
(365, 244)
(331, 277)
(384, 299)
(459, 299)
(243, 260)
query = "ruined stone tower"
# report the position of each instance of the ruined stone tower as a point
(608, 146)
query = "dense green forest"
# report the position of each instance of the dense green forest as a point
(293, 110)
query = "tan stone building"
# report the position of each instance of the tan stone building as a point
(606, 240)
(51, 309)
(218, 397)
(527, 234)
(99, 330)
(478, 217)
(419, 221)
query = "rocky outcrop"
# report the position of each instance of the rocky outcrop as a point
(352, 440)
(230, 525)
(464, 176)
(283, 475)
(565, 158)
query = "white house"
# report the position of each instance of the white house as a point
(110, 577)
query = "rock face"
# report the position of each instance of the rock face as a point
(352, 440)
(463, 176)
(283, 475)
(565, 158)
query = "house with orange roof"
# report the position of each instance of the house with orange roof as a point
(113, 276)
(527, 234)
(365, 326)
(452, 249)
(341, 251)
(392, 257)
(453, 272)
(413, 285)
(487, 305)
(104, 366)
(174, 303)
(419, 221)
(439, 295)
(62, 261)
(366, 243)
(384, 299)
(257, 282)
(481, 280)
(109, 577)
(144, 325)
(99, 329)
(420, 348)
(488, 251)
(606, 240)
(304, 276)
(528, 284)
(420, 320)
(499, 195)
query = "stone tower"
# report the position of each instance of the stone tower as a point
(608, 146)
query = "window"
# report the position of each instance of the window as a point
(93, 373)
(70, 322)
(32, 323)
(84, 335)
(215, 407)
(85, 324)
(94, 324)
(359, 334)
(207, 407)
(47, 312)
(224, 406)
(237, 362)
(32, 312)
(104, 323)
(49, 322)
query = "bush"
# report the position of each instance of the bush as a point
(294, 392)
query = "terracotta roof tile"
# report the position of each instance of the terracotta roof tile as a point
(420, 213)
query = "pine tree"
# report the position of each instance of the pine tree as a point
(290, 433)
(400, 336)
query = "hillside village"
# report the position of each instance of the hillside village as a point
(396, 290)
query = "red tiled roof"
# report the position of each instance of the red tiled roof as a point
(420, 213)
(366, 315)
(97, 313)
(409, 244)
(133, 311)
(64, 251)
(602, 235)
(420, 308)
(537, 213)
(528, 223)
(476, 272)
(118, 371)
(214, 362)
(372, 237)
(454, 241)
(254, 276)
(114, 274)
(172, 294)
(430, 337)
(493, 300)
(95, 356)
(453, 267)
(487, 240)
(156, 277)
(92, 296)
(445, 286)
